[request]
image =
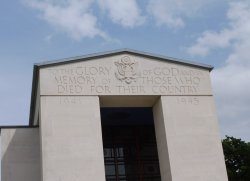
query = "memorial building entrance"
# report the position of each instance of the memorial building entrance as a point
(129, 144)
(146, 101)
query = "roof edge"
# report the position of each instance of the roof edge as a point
(33, 95)
(17, 126)
(119, 51)
(99, 55)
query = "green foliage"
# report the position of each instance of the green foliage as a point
(237, 157)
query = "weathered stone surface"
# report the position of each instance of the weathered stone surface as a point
(188, 139)
(20, 154)
(124, 75)
(67, 101)
(71, 139)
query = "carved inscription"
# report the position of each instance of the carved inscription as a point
(171, 80)
(70, 100)
(125, 76)
(79, 79)
(188, 100)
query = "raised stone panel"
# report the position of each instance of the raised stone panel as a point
(71, 139)
(124, 74)
(20, 154)
(186, 129)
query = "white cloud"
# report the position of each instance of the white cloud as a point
(123, 12)
(232, 81)
(172, 12)
(206, 42)
(231, 85)
(77, 18)
(72, 16)
(238, 16)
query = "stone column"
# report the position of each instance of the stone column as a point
(71, 139)
(188, 139)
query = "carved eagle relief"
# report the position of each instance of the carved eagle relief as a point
(126, 69)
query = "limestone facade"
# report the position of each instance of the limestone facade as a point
(64, 138)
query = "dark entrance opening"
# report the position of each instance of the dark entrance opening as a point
(129, 144)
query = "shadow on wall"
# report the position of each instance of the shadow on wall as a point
(20, 154)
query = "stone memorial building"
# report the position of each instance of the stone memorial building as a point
(117, 116)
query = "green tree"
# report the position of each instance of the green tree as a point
(237, 158)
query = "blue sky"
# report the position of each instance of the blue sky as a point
(211, 32)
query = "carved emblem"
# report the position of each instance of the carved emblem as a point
(126, 70)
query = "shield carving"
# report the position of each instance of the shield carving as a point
(126, 70)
